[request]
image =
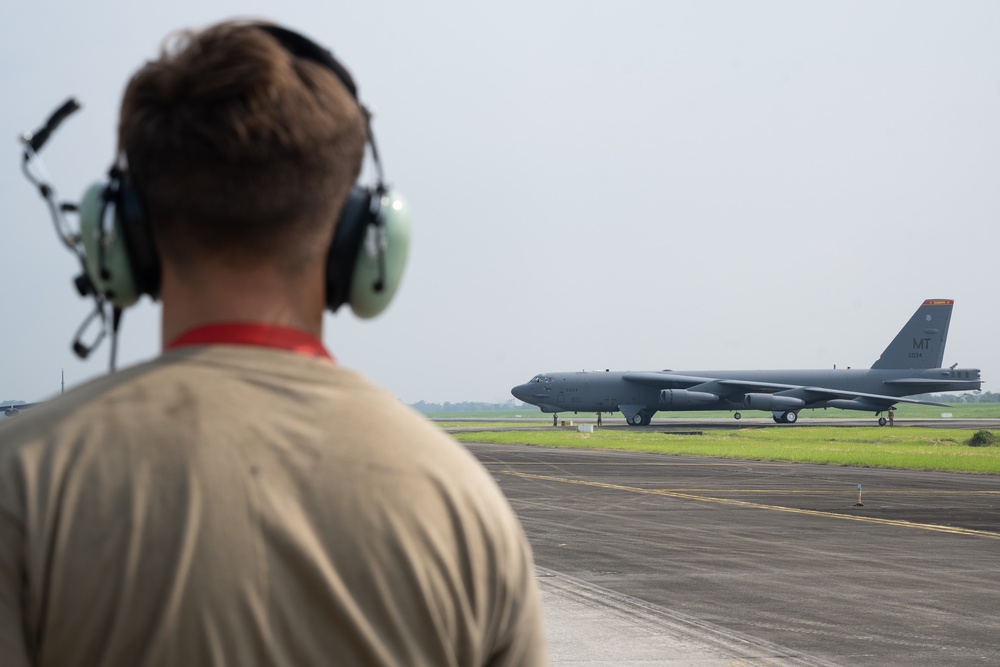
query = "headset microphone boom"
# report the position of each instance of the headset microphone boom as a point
(115, 244)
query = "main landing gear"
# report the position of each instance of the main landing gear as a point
(640, 419)
(785, 417)
(637, 415)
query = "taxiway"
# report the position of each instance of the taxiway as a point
(647, 559)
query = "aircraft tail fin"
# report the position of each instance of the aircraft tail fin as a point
(920, 344)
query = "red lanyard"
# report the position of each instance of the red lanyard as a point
(251, 333)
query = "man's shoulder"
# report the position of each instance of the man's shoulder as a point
(227, 382)
(84, 401)
(202, 393)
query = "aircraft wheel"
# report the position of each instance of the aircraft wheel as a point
(790, 417)
(646, 419)
(636, 420)
(776, 418)
(737, 416)
(882, 421)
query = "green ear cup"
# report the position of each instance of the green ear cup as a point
(107, 262)
(365, 298)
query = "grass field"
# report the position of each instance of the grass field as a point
(486, 424)
(875, 447)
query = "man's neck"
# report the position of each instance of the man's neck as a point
(222, 295)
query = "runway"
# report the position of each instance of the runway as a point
(651, 559)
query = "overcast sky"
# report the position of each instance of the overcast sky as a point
(624, 185)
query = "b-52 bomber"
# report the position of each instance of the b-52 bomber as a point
(910, 365)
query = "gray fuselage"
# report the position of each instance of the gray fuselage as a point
(909, 365)
(607, 391)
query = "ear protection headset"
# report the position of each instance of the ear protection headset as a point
(365, 261)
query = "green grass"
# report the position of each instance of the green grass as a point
(875, 447)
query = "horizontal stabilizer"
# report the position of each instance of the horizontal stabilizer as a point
(957, 385)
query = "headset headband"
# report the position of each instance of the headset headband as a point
(303, 47)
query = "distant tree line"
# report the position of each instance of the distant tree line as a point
(469, 406)
(968, 397)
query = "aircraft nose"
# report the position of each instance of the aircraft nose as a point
(520, 392)
(530, 392)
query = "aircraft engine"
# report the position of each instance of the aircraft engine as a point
(682, 398)
(10, 412)
(772, 402)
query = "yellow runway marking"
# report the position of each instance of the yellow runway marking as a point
(604, 464)
(849, 489)
(743, 503)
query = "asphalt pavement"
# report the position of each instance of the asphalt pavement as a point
(652, 559)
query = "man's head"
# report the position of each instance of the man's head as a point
(242, 153)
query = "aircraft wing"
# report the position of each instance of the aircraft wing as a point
(665, 380)
(724, 387)
(914, 401)
(11, 409)
(816, 394)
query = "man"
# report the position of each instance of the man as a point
(243, 500)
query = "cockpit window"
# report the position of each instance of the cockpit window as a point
(541, 378)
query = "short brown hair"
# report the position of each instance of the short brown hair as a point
(239, 149)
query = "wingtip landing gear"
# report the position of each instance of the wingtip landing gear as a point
(737, 416)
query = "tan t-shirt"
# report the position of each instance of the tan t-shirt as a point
(243, 506)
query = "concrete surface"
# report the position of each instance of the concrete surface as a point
(647, 560)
